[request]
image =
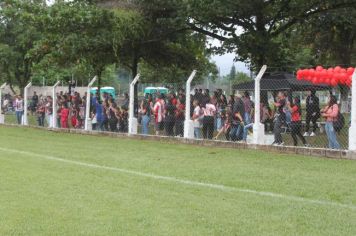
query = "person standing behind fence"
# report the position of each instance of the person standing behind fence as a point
(248, 108)
(179, 126)
(158, 113)
(40, 111)
(34, 103)
(313, 112)
(209, 112)
(19, 108)
(237, 120)
(49, 111)
(280, 118)
(112, 116)
(64, 116)
(170, 118)
(296, 121)
(330, 113)
(197, 117)
(145, 110)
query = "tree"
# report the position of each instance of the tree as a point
(78, 35)
(251, 28)
(19, 32)
(161, 41)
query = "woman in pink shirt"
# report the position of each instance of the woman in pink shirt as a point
(330, 113)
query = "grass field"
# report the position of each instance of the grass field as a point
(65, 184)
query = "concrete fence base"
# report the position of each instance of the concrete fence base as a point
(305, 151)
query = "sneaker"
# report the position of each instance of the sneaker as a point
(312, 134)
(306, 134)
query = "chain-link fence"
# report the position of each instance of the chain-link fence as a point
(293, 112)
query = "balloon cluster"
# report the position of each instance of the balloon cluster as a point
(331, 76)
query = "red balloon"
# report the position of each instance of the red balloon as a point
(337, 69)
(333, 82)
(323, 74)
(314, 80)
(330, 70)
(350, 70)
(343, 70)
(330, 74)
(319, 68)
(311, 72)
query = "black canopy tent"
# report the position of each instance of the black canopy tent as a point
(280, 82)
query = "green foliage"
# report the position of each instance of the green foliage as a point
(19, 32)
(252, 28)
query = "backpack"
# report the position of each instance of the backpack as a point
(339, 123)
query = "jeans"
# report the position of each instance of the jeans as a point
(145, 122)
(330, 132)
(246, 128)
(219, 123)
(197, 134)
(247, 118)
(19, 115)
(235, 132)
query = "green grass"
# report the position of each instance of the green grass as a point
(39, 196)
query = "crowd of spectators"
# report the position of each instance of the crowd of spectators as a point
(214, 116)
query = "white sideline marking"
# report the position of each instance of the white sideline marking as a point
(187, 182)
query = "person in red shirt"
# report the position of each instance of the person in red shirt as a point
(64, 116)
(296, 124)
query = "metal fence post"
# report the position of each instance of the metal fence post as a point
(24, 117)
(132, 118)
(258, 127)
(188, 123)
(2, 116)
(54, 105)
(87, 124)
(352, 130)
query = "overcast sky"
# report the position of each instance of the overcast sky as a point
(225, 62)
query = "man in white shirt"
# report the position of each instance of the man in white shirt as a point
(197, 116)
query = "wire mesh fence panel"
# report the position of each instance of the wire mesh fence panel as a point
(299, 113)
(293, 112)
